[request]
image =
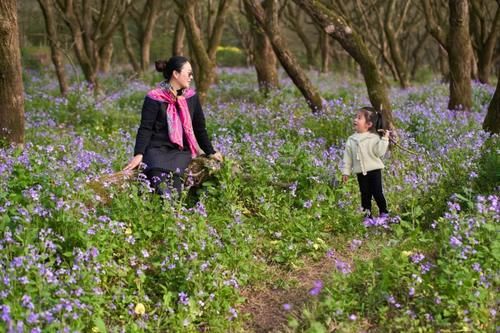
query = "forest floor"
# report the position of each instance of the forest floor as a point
(286, 293)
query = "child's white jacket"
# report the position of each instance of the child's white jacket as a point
(363, 152)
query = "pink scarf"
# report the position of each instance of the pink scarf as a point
(178, 117)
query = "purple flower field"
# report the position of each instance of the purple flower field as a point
(70, 263)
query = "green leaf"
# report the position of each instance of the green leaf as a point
(99, 323)
(495, 250)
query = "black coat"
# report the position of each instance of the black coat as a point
(154, 143)
(153, 131)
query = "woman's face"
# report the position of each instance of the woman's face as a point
(184, 77)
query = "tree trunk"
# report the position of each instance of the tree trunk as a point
(55, 45)
(337, 27)
(152, 9)
(492, 120)
(443, 64)
(92, 30)
(128, 48)
(295, 23)
(393, 41)
(487, 50)
(473, 64)
(205, 73)
(205, 56)
(459, 55)
(415, 53)
(11, 83)
(433, 27)
(265, 61)
(325, 52)
(179, 35)
(267, 20)
(105, 56)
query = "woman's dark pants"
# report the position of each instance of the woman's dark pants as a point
(164, 181)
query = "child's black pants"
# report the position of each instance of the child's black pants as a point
(370, 186)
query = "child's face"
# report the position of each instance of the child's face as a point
(360, 123)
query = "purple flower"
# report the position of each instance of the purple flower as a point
(183, 298)
(455, 242)
(318, 286)
(477, 267)
(234, 313)
(425, 267)
(417, 257)
(287, 307)
(26, 301)
(200, 209)
(342, 266)
(5, 313)
(355, 244)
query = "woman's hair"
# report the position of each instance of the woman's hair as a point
(375, 117)
(167, 67)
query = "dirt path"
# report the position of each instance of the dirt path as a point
(266, 304)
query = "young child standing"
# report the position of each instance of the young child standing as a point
(362, 156)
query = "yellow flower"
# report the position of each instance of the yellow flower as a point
(128, 231)
(95, 329)
(139, 309)
(406, 253)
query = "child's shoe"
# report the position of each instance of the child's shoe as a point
(367, 217)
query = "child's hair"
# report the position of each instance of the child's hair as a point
(375, 117)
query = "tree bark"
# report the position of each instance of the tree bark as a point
(325, 52)
(11, 83)
(128, 48)
(484, 42)
(492, 120)
(55, 44)
(443, 64)
(179, 35)
(295, 20)
(205, 56)
(459, 56)
(267, 20)
(105, 56)
(152, 10)
(264, 59)
(432, 26)
(92, 30)
(394, 47)
(336, 26)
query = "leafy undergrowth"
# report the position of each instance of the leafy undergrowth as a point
(272, 215)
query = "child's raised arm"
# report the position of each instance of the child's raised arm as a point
(381, 147)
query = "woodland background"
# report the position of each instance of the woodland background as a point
(273, 241)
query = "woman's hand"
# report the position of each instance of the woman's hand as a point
(134, 163)
(216, 156)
